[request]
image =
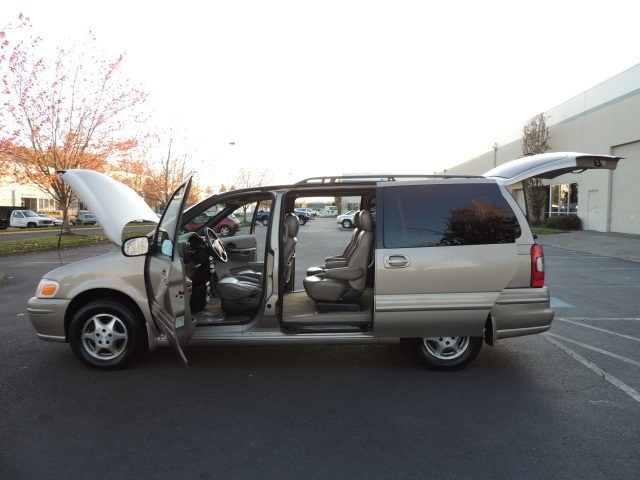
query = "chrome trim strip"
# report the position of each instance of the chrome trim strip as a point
(435, 302)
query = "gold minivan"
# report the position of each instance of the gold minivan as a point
(447, 263)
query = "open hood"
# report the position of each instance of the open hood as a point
(550, 165)
(111, 202)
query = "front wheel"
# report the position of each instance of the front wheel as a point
(446, 353)
(302, 220)
(225, 231)
(265, 222)
(104, 334)
(346, 223)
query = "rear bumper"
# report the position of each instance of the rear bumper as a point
(47, 317)
(522, 311)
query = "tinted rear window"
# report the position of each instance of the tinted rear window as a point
(447, 215)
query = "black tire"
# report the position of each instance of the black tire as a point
(225, 231)
(446, 353)
(347, 223)
(31, 225)
(302, 220)
(104, 334)
(265, 221)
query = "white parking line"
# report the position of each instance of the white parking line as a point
(609, 378)
(635, 319)
(629, 337)
(596, 349)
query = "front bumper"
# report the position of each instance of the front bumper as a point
(47, 317)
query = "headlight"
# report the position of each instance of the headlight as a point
(47, 288)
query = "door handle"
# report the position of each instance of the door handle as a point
(396, 261)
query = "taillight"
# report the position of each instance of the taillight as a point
(537, 266)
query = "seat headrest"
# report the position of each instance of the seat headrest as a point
(366, 220)
(292, 224)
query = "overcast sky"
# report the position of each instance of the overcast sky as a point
(327, 87)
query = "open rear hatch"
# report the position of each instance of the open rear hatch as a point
(550, 165)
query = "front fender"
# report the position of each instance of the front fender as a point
(96, 276)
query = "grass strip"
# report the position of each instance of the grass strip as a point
(547, 231)
(47, 243)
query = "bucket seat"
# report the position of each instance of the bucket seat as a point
(339, 260)
(344, 285)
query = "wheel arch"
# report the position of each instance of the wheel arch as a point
(87, 296)
(490, 331)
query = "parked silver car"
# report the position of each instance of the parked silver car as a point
(56, 221)
(84, 219)
(449, 264)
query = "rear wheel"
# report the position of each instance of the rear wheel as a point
(265, 222)
(225, 231)
(302, 220)
(104, 334)
(446, 353)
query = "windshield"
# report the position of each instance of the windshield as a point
(30, 213)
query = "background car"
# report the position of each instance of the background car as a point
(84, 219)
(308, 210)
(346, 219)
(264, 217)
(230, 225)
(303, 217)
(56, 221)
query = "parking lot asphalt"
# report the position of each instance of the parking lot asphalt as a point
(615, 245)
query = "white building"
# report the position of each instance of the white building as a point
(604, 120)
(25, 195)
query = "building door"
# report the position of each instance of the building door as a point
(625, 195)
(593, 208)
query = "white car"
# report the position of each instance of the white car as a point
(346, 219)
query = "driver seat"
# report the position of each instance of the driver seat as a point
(238, 295)
(242, 293)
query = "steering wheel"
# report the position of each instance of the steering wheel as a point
(215, 244)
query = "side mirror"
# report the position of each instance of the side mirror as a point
(135, 246)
